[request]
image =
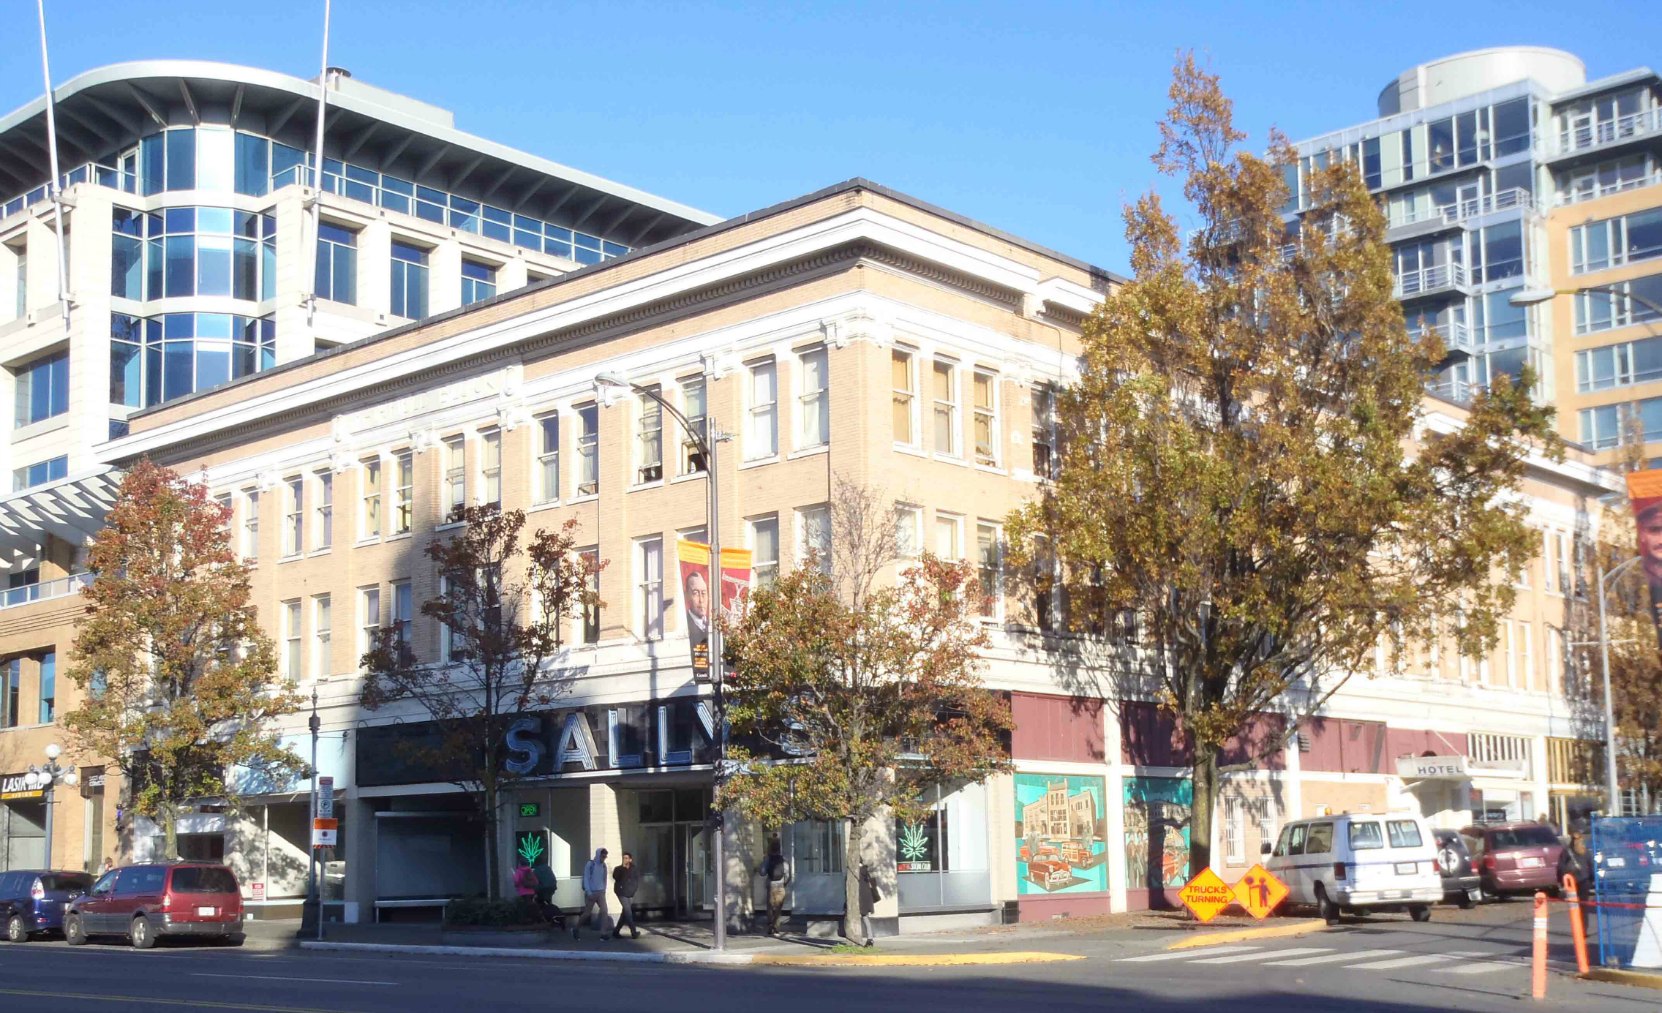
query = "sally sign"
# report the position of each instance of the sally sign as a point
(697, 599)
(1644, 491)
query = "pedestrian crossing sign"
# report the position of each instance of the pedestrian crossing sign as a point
(1259, 892)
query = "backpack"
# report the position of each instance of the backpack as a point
(776, 869)
(545, 877)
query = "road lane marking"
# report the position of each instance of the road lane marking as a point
(1480, 967)
(284, 977)
(148, 1000)
(1242, 957)
(1185, 954)
(1332, 958)
(1417, 960)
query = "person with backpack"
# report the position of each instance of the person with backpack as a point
(525, 882)
(546, 882)
(594, 894)
(777, 872)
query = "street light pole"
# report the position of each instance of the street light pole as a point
(45, 778)
(706, 443)
(314, 891)
(1610, 781)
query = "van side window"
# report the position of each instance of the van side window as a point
(1320, 841)
(142, 880)
(1295, 839)
(1365, 836)
(1404, 833)
(106, 882)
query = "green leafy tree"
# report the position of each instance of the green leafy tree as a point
(866, 692)
(177, 677)
(503, 607)
(1241, 464)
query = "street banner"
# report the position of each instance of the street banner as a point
(1644, 491)
(694, 558)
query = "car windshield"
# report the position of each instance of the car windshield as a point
(200, 879)
(65, 881)
(1365, 837)
(1523, 837)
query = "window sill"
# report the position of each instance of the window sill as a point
(910, 451)
(51, 424)
(552, 504)
(797, 455)
(447, 526)
(990, 469)
(656, 483)
(292, 557)
(952, 459)
(324, 551)
(593, 497)
(371, 540)
(691, 476)
(759, 462)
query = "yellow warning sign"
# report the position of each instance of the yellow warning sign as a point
(1206, 895)
(1260, 892)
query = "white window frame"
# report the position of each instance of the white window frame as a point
(1555, 659)
(761, 417)
(403, 499)
(695, 393)
(649, 439)
(547, 461)
(587, 463)
(1043, 400)
(951, 525)
(989, 456)
(490, 466)
(813, 531)
(908, 531)
(813, 404)
(369, 618)
(455, 474)
(649, 587)
(992, 606)
(905, 399)
(1526, 659)
(292, 661)
(1234, 830)
(370, 500)
(764, 570)
(402, 615)
(1509, 644)
(322, 633)
(323, 510)
(250, 525)
(944, 413)
(294, 515)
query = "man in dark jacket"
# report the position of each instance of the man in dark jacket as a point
(626, 879)
(546, 882)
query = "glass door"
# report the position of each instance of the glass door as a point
(699, 864)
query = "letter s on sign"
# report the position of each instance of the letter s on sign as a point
(524, 742)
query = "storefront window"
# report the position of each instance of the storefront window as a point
(942, 859)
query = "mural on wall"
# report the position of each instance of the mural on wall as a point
(1157, 832)
(1061, 829)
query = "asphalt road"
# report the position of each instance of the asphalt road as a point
(1380, 965)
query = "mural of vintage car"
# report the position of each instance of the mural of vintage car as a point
(1050, 874)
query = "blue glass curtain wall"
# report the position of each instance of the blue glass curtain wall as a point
(159, 358)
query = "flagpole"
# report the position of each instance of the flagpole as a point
(54, 186)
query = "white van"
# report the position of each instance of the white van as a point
(1359, 860)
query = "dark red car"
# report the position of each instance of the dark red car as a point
(147, 902)
(1516, 857)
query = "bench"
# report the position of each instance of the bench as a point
(410, 902)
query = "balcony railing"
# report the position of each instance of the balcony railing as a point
(103, 175)
(1460, 211)
(63, 586)
(1576, 196)
(1455, 334)
(1430, 279)
(1593, 135)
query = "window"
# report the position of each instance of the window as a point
(337, 264)
(813, 400)
(11, 691)
(48, 687)
(1234, 831)
(588, 450)
(294, 517)
(43, 389)
(1555, 659)
(322, 632)
(223, 502)
(403, 498)
(693, 404)
(1510, 645)
(409, 281)
(989, 551)
(945, 391)
(764, 549)
(1044, 432)
(548, 458)
(490, 466)
(1620, 304)
(949, 536)
(291, 640)
(908, 531)
(591, 611)
(40, 473)
(762, 436)
(986, 419)
(905, 383)
(324, 511)
(1366, 836)
(813, 532)
(649, 438)
(369, 516)
(1320, 839)
(1618, 365)
(1526, 654)
(1406, 833)
(817, 847)
(478, 282)
(649, 570)
(369, 618)
(251, 525)
(403, 610)
(455, 475)
(22, 307)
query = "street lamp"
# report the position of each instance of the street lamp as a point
(706, 444)
(1533, 296)
(43, 778)
(1606, 578)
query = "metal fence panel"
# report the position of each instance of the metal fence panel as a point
(1627, 852)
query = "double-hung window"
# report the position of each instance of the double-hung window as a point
(693, 404)
(649, 567)
(813, 533)
(11, 692)
(369, 497)
(369, 618)
(490, 466)
(813, 401)
(944, 389)
(322, 631)
(403, 610)
(48, 684)
(908, 532)
(591, 609)
(337, 263)
(43, 389)
(455, 475)
(409, 281)
(251, 525)
(478, 282)
(1044, 431)
(403, 499)
(905, 381)
(294, 515)
(762, 431)
(291, 641)
(588, 450)
(548, 457)
(324, 509)
(649, 439)
(989, 551)
(764, 549)
(949, 536)
(986, 419)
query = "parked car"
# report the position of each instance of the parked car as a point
(1049, 873)
(1358, 862)
(146, 902)
(1517, 857)
(32, 902)
(1462, 883)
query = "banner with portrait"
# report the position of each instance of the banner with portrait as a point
(1644, 491)
(696, 599)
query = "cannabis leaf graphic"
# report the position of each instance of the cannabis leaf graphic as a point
(530, 848)
(914, 843)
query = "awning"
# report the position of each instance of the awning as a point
(70, 509)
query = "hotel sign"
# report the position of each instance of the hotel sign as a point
(1433, 768)
(15, 786)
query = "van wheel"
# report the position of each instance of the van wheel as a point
(1419, 912)
(140, 934)
(17, 930)
(1328, 910)
(74, 933)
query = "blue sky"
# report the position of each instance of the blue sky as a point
(1034, 117)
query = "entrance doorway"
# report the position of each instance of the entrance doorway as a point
(675, 850)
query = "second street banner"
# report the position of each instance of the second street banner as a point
(696, 598)
(1644, 491)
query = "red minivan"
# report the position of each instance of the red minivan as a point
(146, 902)
(1515, 857)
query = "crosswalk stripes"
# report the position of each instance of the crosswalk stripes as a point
(1451, 962)
(1186, 954)
(1236, 958)
(1389, 964)
(1331, 958)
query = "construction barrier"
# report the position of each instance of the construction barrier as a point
(1626, 855)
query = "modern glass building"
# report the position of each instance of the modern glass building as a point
(1524, 204)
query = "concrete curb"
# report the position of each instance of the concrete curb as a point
(1638, 979)
(1297, 928)
(909, 959)
(697, 957)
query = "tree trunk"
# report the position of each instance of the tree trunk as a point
(492, 855)
(170, 832)
(853, 925)
(1201, 811)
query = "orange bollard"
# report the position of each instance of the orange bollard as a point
(1578, 927)
(1540, 976)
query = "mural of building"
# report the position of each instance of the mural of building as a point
(1060, 837)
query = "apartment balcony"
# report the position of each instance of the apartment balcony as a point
(62, 587)
(1608, 134)
(1456, 336)
(1431, 281)
(1461, 212)
(1593, 191)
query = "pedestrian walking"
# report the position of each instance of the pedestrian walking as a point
(546, 883)
(109, 865)
(626, 879)
(525, 883)
(594, 894)
(777, 872)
